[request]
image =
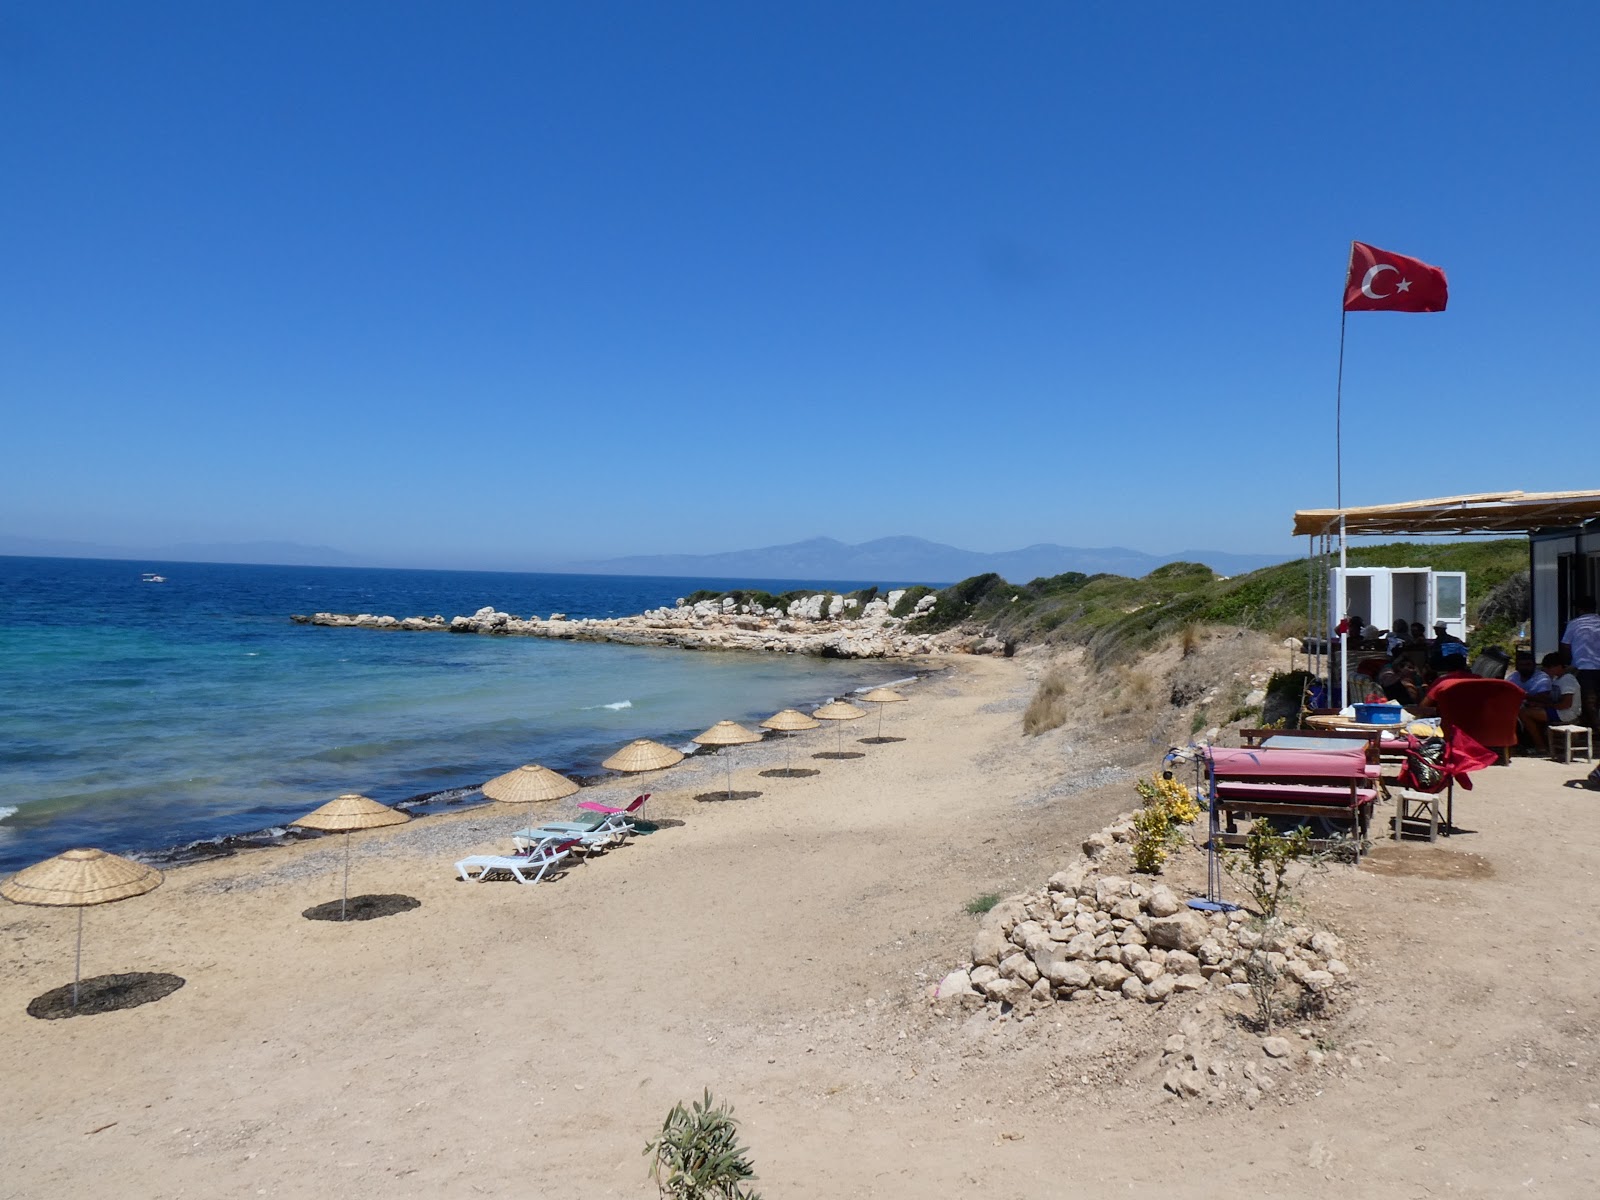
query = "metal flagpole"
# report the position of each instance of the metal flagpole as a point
(1338, 489)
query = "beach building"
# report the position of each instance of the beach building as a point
(1563, 531)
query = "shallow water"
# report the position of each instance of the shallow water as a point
(138, 717)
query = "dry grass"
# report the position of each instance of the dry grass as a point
(1049, 708)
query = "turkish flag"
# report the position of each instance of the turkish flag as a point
(1384, 282)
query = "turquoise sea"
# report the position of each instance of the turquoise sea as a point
(155, 718)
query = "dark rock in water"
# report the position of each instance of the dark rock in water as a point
(104, 993)
(362, 908)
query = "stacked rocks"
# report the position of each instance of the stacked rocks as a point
(1090, 935)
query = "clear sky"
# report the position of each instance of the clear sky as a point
(502, 285)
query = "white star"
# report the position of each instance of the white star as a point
(1403, 286)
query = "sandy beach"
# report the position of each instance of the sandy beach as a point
(778, 949)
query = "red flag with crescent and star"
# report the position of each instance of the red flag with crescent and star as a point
(1384, 282)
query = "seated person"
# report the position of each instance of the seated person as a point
(1400, 681)
(1419, 635)
(1561, 709)
(1397, 637)
(1454, 663)
(1530, 678)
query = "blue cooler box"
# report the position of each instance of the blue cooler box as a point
(1378, 714)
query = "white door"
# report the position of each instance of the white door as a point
(1450, 601)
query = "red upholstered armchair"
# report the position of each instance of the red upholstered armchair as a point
(1480, 721)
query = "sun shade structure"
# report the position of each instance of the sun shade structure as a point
(882, 696)
(727, 733)
(346, 814)
(789, 721)
(1483, 513)
(643, 755)
(839, 710)
(529, 784)
(77, 879)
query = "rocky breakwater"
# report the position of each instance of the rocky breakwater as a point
(826, 625)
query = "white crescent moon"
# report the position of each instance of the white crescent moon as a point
(1372, 274)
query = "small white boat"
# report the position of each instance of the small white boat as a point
(149, 578)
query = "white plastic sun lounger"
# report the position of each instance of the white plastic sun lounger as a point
(524, 868)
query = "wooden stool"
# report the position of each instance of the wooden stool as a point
(1416, 806)
(1571, 736)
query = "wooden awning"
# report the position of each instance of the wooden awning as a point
(1489, 512)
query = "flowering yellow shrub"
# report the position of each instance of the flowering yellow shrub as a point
(1168, 805)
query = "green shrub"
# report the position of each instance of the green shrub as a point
(909, 600)
(697, 1155)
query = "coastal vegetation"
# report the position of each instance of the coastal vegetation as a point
(1117, 619)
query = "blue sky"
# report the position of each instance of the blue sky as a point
(503, 285)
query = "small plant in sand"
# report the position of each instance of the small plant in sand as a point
(1262, 867)
(697, 1155)
(1158, 826)
(1262, 979)
(979, 905)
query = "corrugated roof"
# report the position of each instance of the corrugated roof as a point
(1488, 512)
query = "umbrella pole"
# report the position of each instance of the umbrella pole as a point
(730, 778)
(880, 720)
(345, 899)
(77, 962)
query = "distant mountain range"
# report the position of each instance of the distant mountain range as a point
(916, 560)
(287, 554)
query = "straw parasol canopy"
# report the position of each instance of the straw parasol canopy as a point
(839, 710)
(345, 814)
(643, 755)
(789, 721)
(883, 695)
(80, 877)
(77, 879)
(529, 784)
(727, 733)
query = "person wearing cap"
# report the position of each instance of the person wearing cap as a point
(1444, 643)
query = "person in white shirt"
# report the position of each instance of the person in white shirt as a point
(1580, 642)
(1561, 707)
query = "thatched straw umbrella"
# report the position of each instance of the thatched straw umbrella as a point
(77, 879)
(643, 755)
(881, 697)
(840, 710)
(728, 733)
(789, 721)
(529, 784)
(347, 813)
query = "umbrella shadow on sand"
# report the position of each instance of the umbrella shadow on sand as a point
(790, 773)
(362, 908)
(838, 754)
(879, 741)
(723, 797)
(104, 993)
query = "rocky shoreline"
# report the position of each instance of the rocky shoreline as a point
(824, 625)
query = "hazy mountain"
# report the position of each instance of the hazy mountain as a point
(910, 559)
(287, 554)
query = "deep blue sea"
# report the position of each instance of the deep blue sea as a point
(142, 717)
